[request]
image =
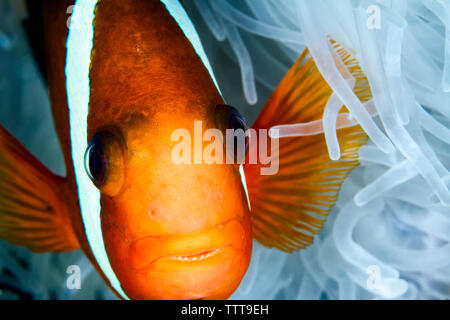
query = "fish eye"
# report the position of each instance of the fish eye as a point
(235, 121)
(96, 162)
(103, 162)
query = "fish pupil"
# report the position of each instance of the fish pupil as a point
(96, 161)
(236, 122)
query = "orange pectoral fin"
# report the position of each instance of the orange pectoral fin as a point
(290, 207)
(32, 212)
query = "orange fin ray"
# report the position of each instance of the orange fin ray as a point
(32, 211)
(289, 208)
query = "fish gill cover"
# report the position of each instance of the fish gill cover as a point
(388, 236)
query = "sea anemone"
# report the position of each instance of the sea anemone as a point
(388, 235)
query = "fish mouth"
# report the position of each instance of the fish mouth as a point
(188, 248)
(197, 256)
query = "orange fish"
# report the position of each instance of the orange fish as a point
(127, 75)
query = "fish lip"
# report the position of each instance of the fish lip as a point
(137, 249)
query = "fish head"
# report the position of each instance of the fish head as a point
(171, 229)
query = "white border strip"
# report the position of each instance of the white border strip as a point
(79, 47)
(177, 11)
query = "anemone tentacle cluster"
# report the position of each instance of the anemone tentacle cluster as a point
(388, 236)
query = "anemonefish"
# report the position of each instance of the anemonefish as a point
(125, 76)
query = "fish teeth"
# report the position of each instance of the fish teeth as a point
(195, 258)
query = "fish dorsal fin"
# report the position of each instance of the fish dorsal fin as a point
(33, 210)
(289, 208)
